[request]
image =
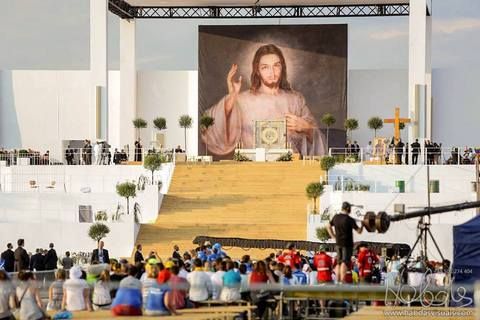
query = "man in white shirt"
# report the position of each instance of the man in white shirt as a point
(368, 151)
(217, 280)
(200, 283)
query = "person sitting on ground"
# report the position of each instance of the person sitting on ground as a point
(217, 278)
(159, 300)
(101, 298)
(258, 277)
(164, 273)
(8, 300)
(180, 287)
(231, 284)
(28, 297)
(128, 300)
(76, 292)
(200, 283)
(119, 273)
(244, 290)
(301, 277)
(94, 270)
(55, 292)
(151, 271)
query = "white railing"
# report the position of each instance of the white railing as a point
(78, 156)
(351, 183)
(433, 155)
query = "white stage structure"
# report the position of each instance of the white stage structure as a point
(419, 80)
(47, 212)
(455, 186)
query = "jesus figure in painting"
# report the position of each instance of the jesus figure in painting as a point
(270, 97)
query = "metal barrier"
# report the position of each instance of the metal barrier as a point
(393, 155)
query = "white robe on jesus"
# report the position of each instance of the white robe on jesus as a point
(251, 107)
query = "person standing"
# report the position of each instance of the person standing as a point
(366, 261)
(22, 259)
(69, 155)
(399, 151)
(415, 151)
(37, 261)
(323, 263)
(343, 235)
(138, 254)
(100, 255)
(67, 262)
(176, 253)
(368, 151)
(8, 256)
(51, 258)
(356, 149)
(138, 150)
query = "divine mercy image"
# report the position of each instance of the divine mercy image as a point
(270, 97)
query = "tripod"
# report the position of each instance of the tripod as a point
(424, 232)
(423, 227)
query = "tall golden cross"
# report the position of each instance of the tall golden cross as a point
(396, 122)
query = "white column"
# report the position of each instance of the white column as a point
(428, 80)
(128, 84)
(99, 67)
(419, 71)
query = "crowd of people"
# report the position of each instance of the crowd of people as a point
(11, 157)
(152, 286)
(396, 151)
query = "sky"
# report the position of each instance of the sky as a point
(54, 34)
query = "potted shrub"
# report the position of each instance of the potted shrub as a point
(98, 231)
(139, 124)
(286, 157)
(185, 122)
(322, 234)
(205, 123)
(375, 123)
(328, 120)
(350, 125)
(314, 190)
(127, 190)
(153, 162)
(327, 163)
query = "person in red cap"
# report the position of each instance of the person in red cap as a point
(366, 261)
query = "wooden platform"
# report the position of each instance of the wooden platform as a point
(247, 200)
(417, 313)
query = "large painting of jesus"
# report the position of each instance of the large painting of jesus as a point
(265, 73)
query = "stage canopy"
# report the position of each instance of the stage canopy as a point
(174, 9)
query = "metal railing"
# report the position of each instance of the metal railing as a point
(78, 156)
(396, 156)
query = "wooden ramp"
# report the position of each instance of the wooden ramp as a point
(246, 200)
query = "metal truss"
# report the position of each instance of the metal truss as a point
(126, 11)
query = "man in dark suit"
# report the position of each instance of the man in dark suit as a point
(415, 151)
(9, 258)
(37, 262)
(22, 259)
(100, 255)
(176, 253)
(138, 254)
(51, 258)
